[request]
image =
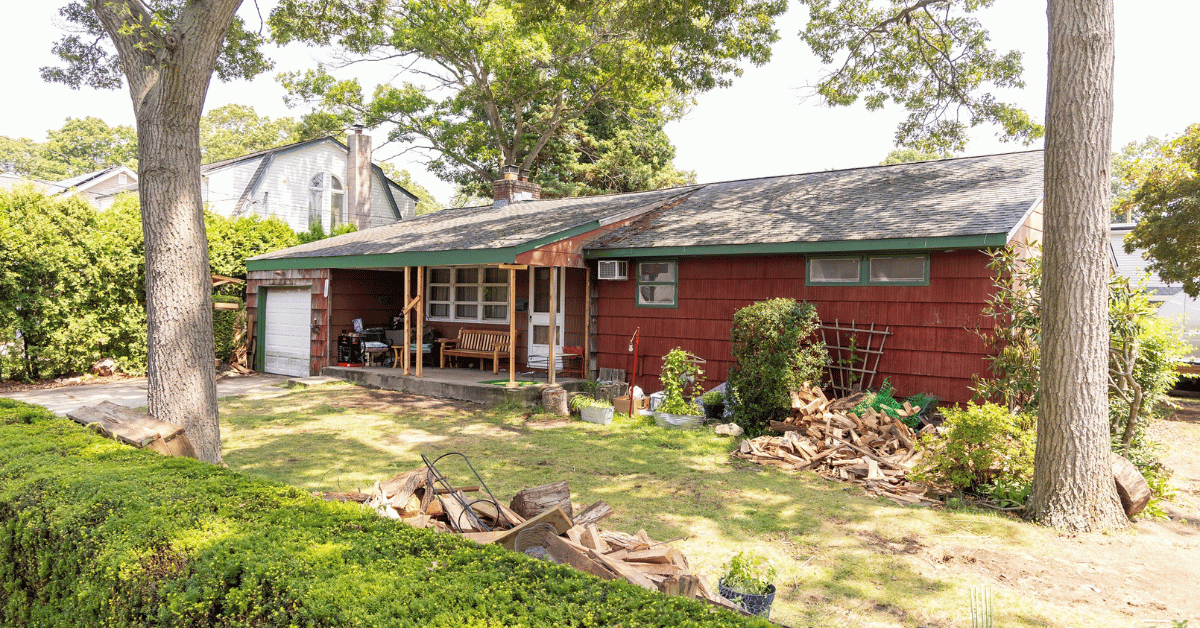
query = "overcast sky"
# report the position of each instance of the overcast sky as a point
(759, 127)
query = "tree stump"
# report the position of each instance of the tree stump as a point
(1131, 486)
(532, 502)
(554, 400)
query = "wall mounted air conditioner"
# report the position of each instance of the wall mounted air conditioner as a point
(612, 269)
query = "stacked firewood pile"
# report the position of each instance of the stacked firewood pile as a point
(539, 521)
(869, 448)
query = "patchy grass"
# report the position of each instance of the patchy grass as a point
(843, 559)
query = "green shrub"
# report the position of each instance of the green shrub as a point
(94, 533)
(70, 285)
(226, 326)
(774, 352)
(678, 371)
(984, 447)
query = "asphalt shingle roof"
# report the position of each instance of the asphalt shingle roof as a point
(480, 228)
(967, 196)
(953, 197)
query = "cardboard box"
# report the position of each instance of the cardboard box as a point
(621, 404)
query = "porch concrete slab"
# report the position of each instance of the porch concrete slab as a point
(131, 393)
(450, 383)
(317, 380)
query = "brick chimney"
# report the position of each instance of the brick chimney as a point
(358, 178)
(514, 188)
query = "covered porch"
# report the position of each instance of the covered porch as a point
(453, 383)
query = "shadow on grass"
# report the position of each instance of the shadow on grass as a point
(673, 484)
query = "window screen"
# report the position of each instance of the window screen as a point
(834, 270)
(897, 269)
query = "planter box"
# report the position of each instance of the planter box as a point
(759, 605)
(678, 421)
(599, 416)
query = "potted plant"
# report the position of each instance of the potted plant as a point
(593, 410)
(747, 583)
(678, 372)
(714, 404)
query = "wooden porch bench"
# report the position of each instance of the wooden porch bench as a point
(477, 343)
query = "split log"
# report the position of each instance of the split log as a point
(564, 554)
(532, 502)
(556, 518)
(593, 514)
(1131, 486)
(592, 540)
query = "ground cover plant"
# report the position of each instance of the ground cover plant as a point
(842, 559)
(94, 533)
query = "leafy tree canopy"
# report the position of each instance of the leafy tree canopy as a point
(929, 56)
(1129, 168)
(426, 203)
(1167, 204)
(909, 155)
(91, 60)
(235, 130)
(81, 145)
(502, 79)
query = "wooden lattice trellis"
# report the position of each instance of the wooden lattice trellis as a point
(851, 349)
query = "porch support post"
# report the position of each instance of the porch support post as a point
(553, 322)
(512, 328)
(420, 321)
(586, 370)
(405, 360)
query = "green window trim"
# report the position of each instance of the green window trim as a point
(673, 284)
(864, 270)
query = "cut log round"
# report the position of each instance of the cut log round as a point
(554, 400)
(1131, 486)
(532, 502)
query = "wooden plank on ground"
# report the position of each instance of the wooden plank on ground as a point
(564, 554)
(631, 575)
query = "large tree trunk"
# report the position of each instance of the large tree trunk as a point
(1073, 486)
(168, 73)
(182, 379)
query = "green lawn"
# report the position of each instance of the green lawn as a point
(843, 559)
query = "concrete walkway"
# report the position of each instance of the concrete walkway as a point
(131, 393)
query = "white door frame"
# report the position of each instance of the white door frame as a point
(543, 318)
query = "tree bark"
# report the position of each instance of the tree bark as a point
(168, 73)
(1073, 486)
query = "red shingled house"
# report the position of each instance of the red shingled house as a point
(902, 247)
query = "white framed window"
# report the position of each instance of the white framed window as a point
(337, 203)
(467, 293)
(316, 198)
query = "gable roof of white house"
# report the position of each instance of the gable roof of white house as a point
(266, 157)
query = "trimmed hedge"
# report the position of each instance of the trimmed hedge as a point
(94, 533)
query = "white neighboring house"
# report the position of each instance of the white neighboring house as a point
(98, 187)
(1172, 301)
(311, 181)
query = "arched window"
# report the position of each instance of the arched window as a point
(337, 204)
(316, 198)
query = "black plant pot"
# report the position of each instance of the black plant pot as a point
(714, 412)
(752, 603)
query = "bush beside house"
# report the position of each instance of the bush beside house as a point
(94, 533)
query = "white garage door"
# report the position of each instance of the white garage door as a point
(286, 335)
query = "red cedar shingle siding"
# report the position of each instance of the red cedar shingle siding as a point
(932, 349)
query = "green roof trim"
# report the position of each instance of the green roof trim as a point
(507, 255)
(837, 246)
